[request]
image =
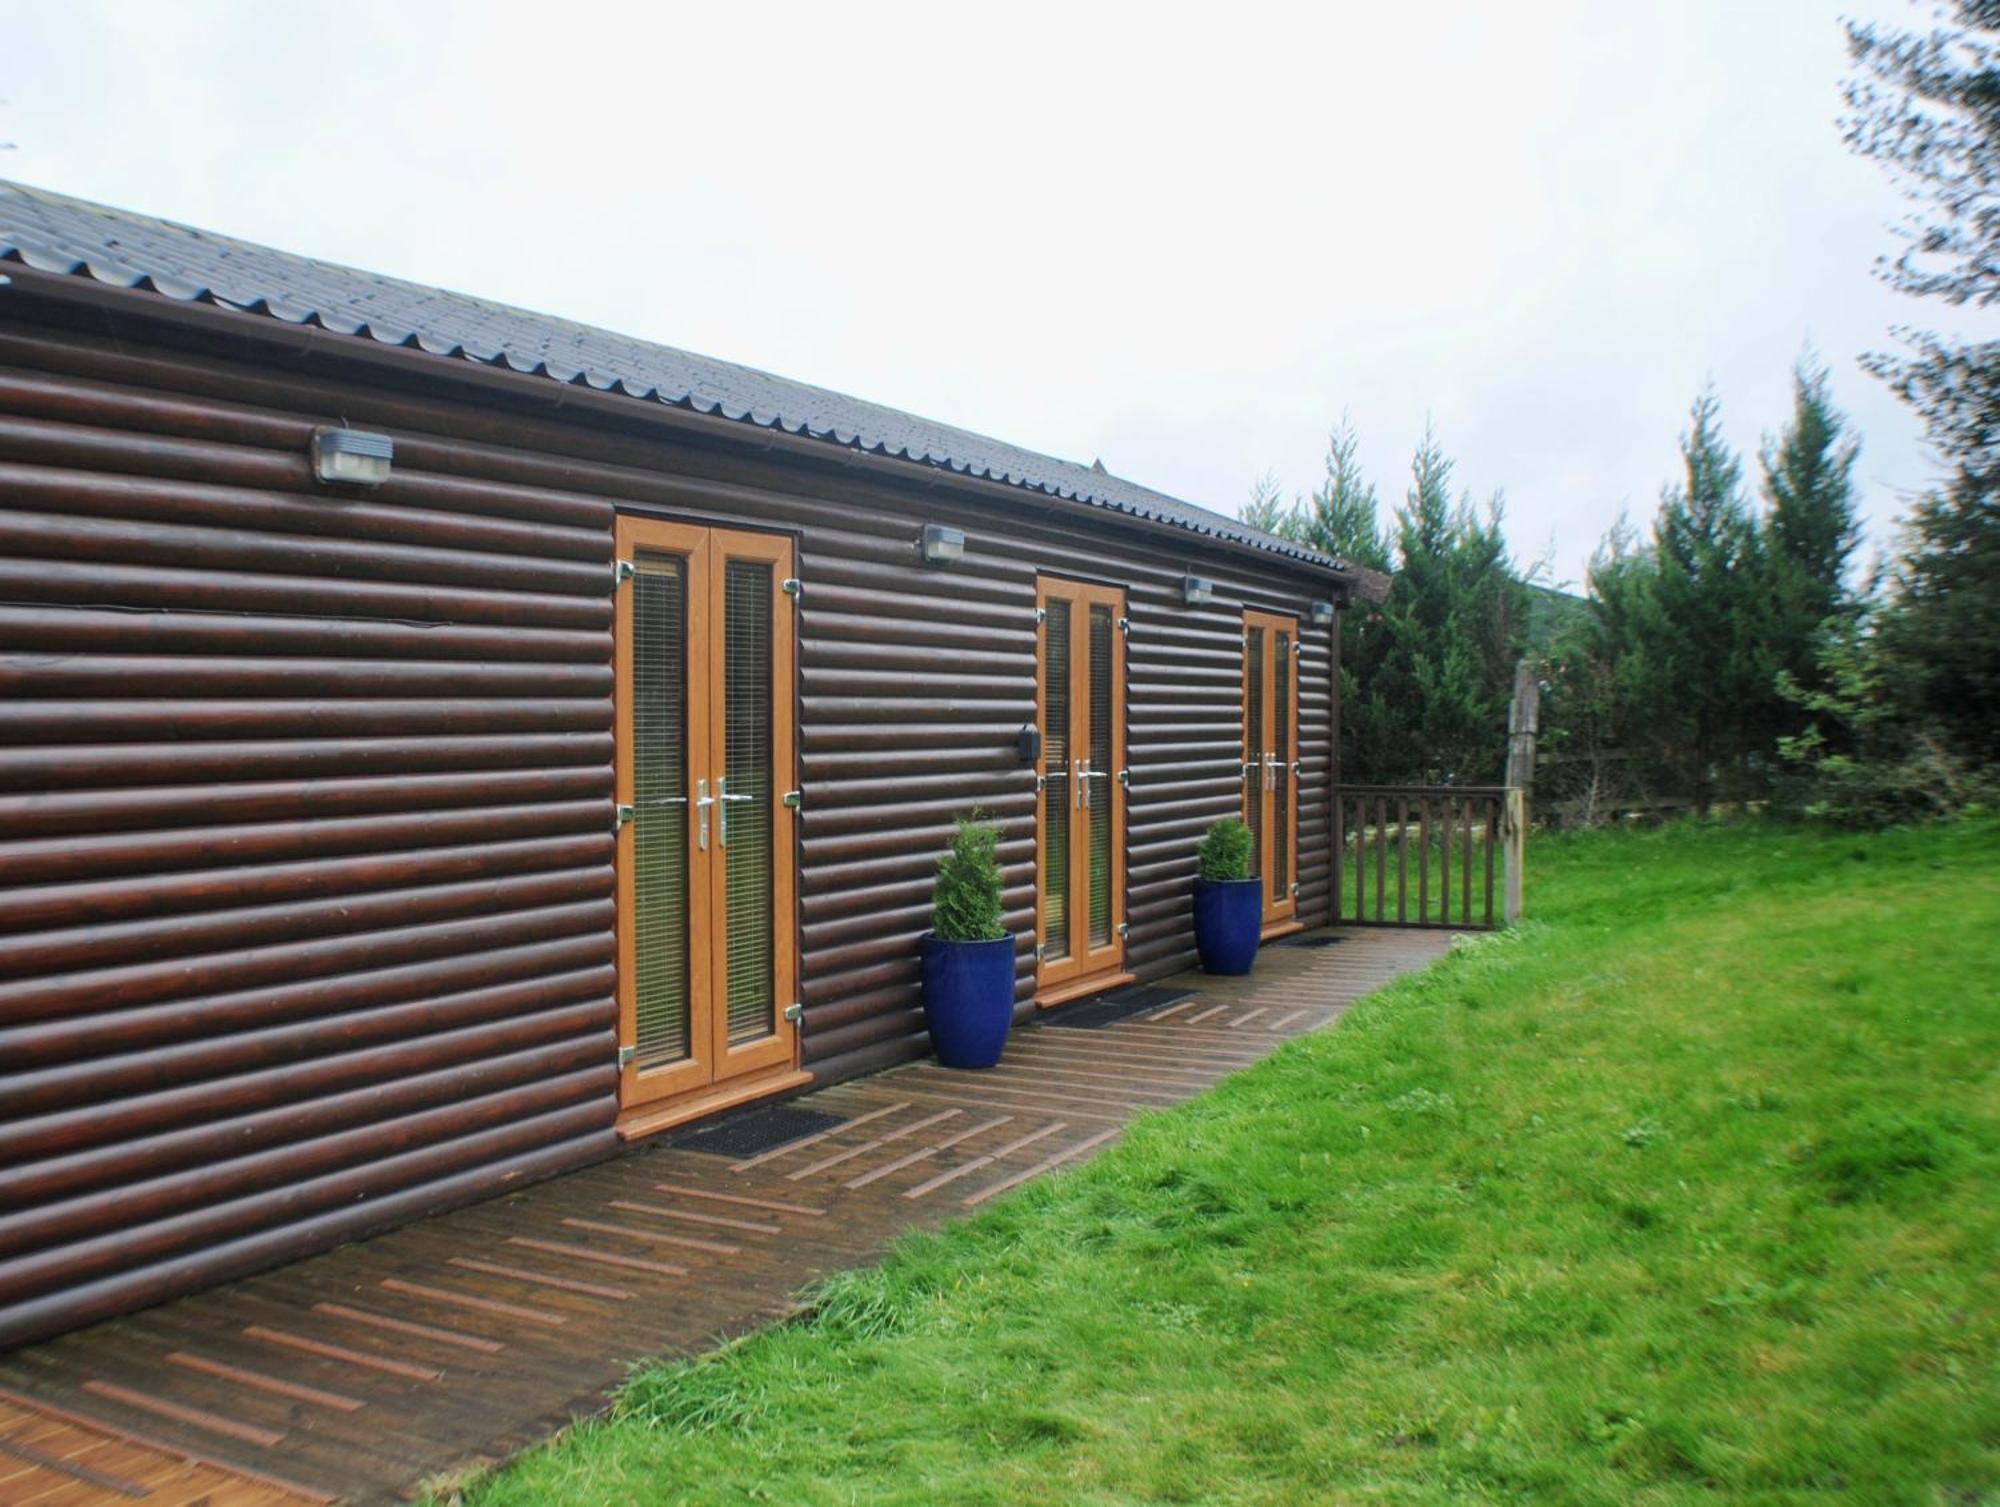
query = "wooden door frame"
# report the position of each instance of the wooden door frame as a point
(714, 1075)
(1085, 970)
(1279, 915)
(641, 1089)
(780, 1049)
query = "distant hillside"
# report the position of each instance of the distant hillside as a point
(1548, 611)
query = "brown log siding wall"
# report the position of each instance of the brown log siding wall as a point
(305, 801)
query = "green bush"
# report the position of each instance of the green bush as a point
(1225, 851)
(966, 907)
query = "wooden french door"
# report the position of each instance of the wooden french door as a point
(1270, 757)
(707, 964)
(1080, 705)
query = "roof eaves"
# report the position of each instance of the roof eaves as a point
(113, 271)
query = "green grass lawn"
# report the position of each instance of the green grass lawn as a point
(1683, 1191)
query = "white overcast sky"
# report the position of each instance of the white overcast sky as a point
(1184, 240)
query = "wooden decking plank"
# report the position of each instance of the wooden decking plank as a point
(475, 1303)
(603, 1258)
(689, 1216)
(32, 1458)
(259, 1380)
(542, 1279)
(976, 1163)
(813, 1140)
(328, 1351)
(824, 1163)
(923, 1153)
(1048, 1164)
(166, 1407)
(436, 1334)
(422, 1406)
(654, 1237)
(736, 1198)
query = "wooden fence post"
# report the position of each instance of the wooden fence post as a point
(1524, 721)
(1514, 840)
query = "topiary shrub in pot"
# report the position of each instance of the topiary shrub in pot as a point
(1228, 902)
(968, 956)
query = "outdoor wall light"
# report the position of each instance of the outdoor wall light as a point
(1196, 589)
(1321, 614)
(941, 545)
(352, 457)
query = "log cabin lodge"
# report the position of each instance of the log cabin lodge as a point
(441, 744)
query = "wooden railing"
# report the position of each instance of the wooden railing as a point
(1428, 855)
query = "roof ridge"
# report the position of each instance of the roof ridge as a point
(63, 233)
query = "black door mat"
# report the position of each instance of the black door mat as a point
(1119, 1003)
(755, 1132)
(1315, 942)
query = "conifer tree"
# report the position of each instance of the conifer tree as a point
(1809, 485)
(1342, 518)
(1708, 565)
(1433, 704)
(1926, 105)
(1808, 534)
(1266, 509)
(1607, 685)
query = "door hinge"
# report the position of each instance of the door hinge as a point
(795, 1012)
(1295, 889)
(1298, 646)
(1041, 950)
(627, 1056)
(1041, 784)
(791, 586)
(621, 572)
(623, 814)
(1041, 614)
(794, 799)
(1124, 928)
(1125, 778)
(1125, 626)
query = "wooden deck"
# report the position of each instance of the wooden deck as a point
(362, 1373)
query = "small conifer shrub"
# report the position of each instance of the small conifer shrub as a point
(1225, 851)
(966, 907)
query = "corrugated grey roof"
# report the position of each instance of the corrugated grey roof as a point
(55, 233)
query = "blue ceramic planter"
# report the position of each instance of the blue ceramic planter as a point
(968, 998)
(1228, 920)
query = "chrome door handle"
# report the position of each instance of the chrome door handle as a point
(1080, 778)
(722, 794)
(702, 801)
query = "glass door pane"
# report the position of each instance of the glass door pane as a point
(1057, 787)
(746, 799)
(703, 697)
(662, 1004)
(1100, 779)
(1270, 747)
(1281, 770)
(1080, 693)
(1253, 744)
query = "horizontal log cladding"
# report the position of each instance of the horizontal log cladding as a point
(305, 853)
(306, 899)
